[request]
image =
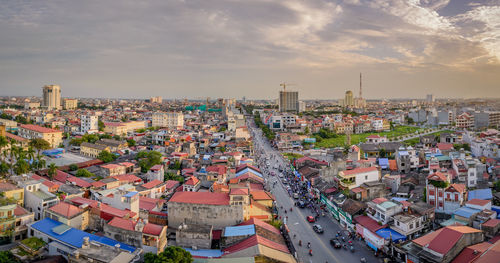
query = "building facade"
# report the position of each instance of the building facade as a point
(170, 120)
(52, 97)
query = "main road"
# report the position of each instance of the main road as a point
(297, 224)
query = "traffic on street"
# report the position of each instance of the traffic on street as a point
(314, 235)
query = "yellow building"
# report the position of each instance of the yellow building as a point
(70, 104)
(116, 128)
(92, 150)
(31, 131)
(12, 191)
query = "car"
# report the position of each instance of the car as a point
(318, 229)
(310, 219)
(295, 196)
(301, 204)
(335, 243)
(280, 175)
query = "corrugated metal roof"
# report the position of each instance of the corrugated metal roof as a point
(244, 230)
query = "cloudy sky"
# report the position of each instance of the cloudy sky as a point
(217, 48)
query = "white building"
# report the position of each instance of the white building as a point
(36, 200)
(171, 120)
(89, 124)
(122, 199)
(353, 178)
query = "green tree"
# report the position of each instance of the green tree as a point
(4, 169)
(131, 142)
(106, 156)
(7, 257)
(52, 170)
(3, 143)
(148, 159)
(172, 254)
(73, 167)
(39, 144)
(84, 173)
(21, 167)
(100, 124)
(306, 130)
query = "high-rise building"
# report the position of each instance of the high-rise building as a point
(157, 99)
(52, 97)
(171, 120)
(430, 98)
(89, 124)
(348, 99)
(70, 104)
(289, 101)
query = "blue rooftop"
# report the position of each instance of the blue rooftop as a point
(388, 233)
(466, 212)
(484, 194)
(74, 237)
(232, 231)
(246, 170)
(130, 194)
(205, 253)
(383, 162)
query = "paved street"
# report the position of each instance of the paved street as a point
(297, 223)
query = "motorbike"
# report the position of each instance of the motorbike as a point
(310, 252)
(352, 249)
(363, 260)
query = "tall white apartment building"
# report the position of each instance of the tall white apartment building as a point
(52, 97)
(89, 123)
(171, 120)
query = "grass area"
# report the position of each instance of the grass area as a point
(414, 141)
(291, 156)
(33, 243)
(357, 138)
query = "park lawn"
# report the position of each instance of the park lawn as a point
(357, 138)
(292, 156)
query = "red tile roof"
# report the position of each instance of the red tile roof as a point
(65, 209)
(20, 211)
(206, 198)
(458, 187)
(171, 184)
(470, 253)
(491, 223)
(192, 181)
(78, 181)
(490, 255)
(369, 223)
(37, 128)
(359, 170)
(442, 240)
(437, 176)
(152, 184)
(15, 137)
(127, 178)
(253, 241)
(258, 222)
(445, 146)
(98, 184)
(80, 201)
(220, 169)
(115, 211)
(238, 191)
(122, 223)
(478, 202)
(379, 200)
(152, 229)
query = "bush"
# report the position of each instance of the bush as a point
(106, 156)
(73, 167)
(84, 173)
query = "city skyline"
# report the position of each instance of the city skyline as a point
(190, 49)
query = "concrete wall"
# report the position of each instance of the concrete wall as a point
(132, 238)
(219, 216)
(190, 239)
(466, 240)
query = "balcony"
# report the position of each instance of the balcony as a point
(346, 183)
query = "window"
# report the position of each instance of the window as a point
(456, 197)
(417, 224)
(366, 177)
(411, 226)
(397, 223)
(431, 192)
(440, 194)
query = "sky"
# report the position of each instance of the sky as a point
(215, 48)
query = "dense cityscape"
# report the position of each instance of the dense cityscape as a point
(263, 131)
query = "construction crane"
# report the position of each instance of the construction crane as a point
(284, 84)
